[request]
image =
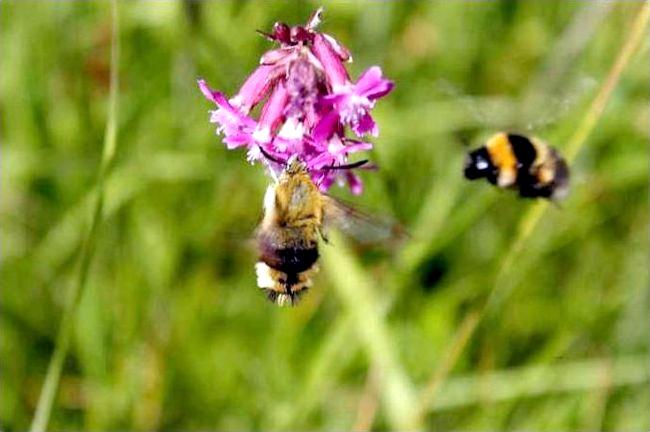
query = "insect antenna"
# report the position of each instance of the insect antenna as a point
(325, 168)
(271, 157)
(346, 167)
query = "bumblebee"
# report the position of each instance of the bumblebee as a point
(528, 165)
(296, 215)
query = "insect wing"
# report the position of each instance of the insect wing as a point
(361, 226)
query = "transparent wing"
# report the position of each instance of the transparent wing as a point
(361, 226)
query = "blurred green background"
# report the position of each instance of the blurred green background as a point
(171, 332)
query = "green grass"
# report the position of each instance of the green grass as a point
(127, 267)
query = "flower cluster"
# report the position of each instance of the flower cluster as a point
(308, 101)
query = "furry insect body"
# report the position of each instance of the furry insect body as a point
(295, 216)
(528, 165)
(288, 236)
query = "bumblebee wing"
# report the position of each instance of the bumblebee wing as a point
(361, 226)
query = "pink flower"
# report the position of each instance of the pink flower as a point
(309, 102)
(236, 126)
(354, 101)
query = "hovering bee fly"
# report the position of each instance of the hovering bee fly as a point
(296, 215)
(528, 165)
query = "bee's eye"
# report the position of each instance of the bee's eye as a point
(478, 164)
(481, 164)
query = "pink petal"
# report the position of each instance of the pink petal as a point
(365, 125)
(326, 127)
(302, 84)
(274, 56)
(239, 139)
(226, 109)
(324, 180)
(273, 110)
(320, 161)
(334, 98)
(255, 87)
(339, 49)
(207, 91)
(353, 146)
(331, 62)
(355, 183)
(371, 84)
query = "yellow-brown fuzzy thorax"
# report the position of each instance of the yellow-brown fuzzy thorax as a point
(298, 201)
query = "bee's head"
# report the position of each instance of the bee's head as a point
(295, 165)
(478, 164)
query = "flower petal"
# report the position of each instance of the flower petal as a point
(339, 49)
(333, 98)
(275, 56)
(354, 182)
(326, 126)
(226, 112)
(238, 139)
(365, 125)
(353, 146)
(253, 154)
(371, 84)
(254, 88)
(324, 180)
(302, 85)
(333, 67)
(273, 111)
(207, 91)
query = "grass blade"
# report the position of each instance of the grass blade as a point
(535, 381)
(52, 378)
(356, 292)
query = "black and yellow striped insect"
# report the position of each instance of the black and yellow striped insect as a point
(514, 161)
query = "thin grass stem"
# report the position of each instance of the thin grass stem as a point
(449, 360)
(368, 404)
(53, 376)
(356, 292)
(540, 380)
